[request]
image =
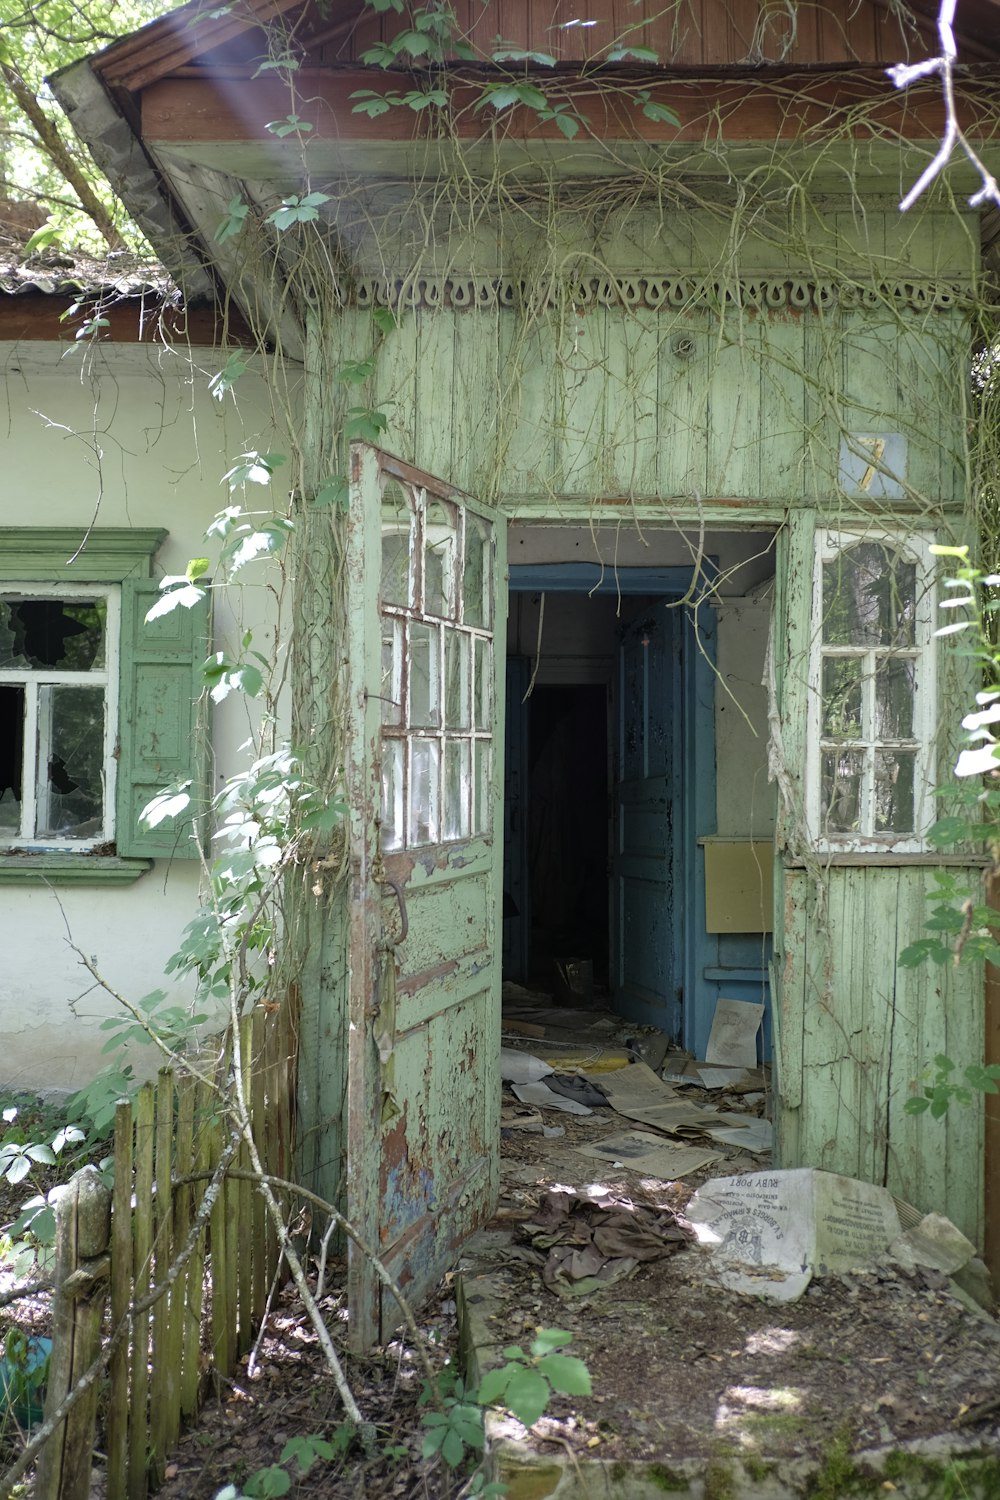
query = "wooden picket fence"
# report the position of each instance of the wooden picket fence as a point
(167, 1145)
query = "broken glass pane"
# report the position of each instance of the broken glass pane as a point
(65, 635)
(841, 790)
(397, 522)
(70, 790)
(425, 765)
(439, 559)
(476, 585)
(895, 688)
(869, 597)
(456, 789)
(425, 675)
(894, 786)
(842, 698)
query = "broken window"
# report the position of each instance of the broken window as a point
(56, 758)
(437, 668)
(872, 687)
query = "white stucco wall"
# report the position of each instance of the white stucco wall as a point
(131, 437)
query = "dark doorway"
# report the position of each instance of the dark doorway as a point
(567, 828)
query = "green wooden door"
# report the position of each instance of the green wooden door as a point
(427, 607)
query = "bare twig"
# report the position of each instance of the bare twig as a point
(944, 66)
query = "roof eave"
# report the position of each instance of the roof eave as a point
(116, 148)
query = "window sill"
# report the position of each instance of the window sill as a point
(70, 869)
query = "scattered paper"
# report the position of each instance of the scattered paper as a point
(745, 1131)
(640, 1151)
(638, 1094)
(521, 1067)
(544, 1098)
(721, 1078)
(732, 1042)
(770, 1232)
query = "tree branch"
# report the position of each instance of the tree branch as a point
(59, 154)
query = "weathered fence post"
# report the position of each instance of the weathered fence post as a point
(83, 1227)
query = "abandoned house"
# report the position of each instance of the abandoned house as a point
(625, 406)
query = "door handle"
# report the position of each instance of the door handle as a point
(404, 920)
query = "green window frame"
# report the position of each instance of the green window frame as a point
(154, 698)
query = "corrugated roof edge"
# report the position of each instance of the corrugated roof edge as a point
(57, 273)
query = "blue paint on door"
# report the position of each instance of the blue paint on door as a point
(665, 791)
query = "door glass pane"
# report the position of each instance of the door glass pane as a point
(392, 794)
(425, 675)
(894, 784)
(869, 597)
(425, 780)
(476, 584)
(842, 698)
(457, 791)
(841, 790)
(895, 688)
(397, 551)
(67, 635)
(484, 684)
(440, 540)
(391, 690)
(70, 791)
(456, 680)
(481, 812)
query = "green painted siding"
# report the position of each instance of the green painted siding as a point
(710, 410)
(856, 1033)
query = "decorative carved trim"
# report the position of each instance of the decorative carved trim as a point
(656, 293)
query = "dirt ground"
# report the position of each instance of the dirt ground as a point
(680, 1367)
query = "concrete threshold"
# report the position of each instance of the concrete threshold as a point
(946, 1467)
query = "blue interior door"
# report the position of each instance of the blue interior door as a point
(647, 904)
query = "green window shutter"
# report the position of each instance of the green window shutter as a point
(158, 718)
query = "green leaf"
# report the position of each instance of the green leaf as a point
(493, 1386)
(333, 491)
(371, 104)
(566, 1374)
(290, 125)
(236, 212)
(196, 568)
(452, 1449)
(166, 804)
(527, 1395)
(178, 593)
(47, 235)
(508, 52)
(286, 62)
(385, 320)
(365, 424)
(223, 380)
(922, 949)
(547, 1339)
(267, 1483)
(654, 111)
(640, 54)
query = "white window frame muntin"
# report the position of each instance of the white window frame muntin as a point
(105, 677)
(415, 612)
(915, 546)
